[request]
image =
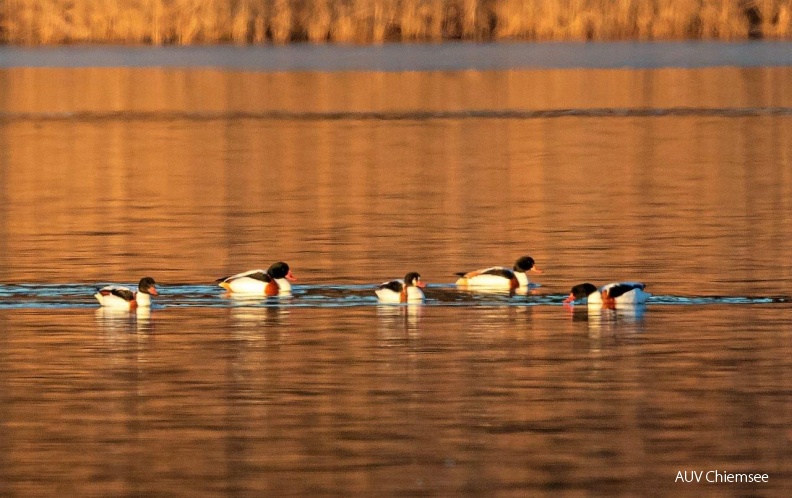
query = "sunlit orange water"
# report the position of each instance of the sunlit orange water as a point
(107, 175)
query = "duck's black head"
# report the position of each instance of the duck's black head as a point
(413, 278)
(147, 286)
(526, 263)
(582, 291)
(278, 270)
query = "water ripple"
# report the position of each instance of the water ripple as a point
(411, 115)
(38, 296)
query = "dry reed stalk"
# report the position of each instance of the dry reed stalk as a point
(421, 19)
(624, 20)
(281, 21)
(575, 25)
(573, 21)
(259, 16)
(343, 30)
(723, 20)
(156, 26)
(436, 10)
(378, 24)
(27, 25)
(6, 26)
(664, 22)
(511, 18)
(218, 18)
(774, 17)
(362, 15)
(383, 19)
(410, 20)
(78, 20)
(546, 24)
(241, 16)
(766, 12)
(363, 21)
(316, 21)
(644, 17)
(662, 19)
(469, 22)
(783, 26)
(52, 27)
(184, 18)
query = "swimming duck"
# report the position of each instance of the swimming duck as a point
(120, 297)
(402, 291)
(273, 282)
(500, 277)
(610, 295)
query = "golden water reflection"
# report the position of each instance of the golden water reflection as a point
(226, 398)
(357, 201)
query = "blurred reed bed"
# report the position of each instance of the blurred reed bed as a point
(376, 21)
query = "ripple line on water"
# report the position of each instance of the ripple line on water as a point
(281, 115)
(35, 296)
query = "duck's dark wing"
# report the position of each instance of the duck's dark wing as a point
(500, 272)
(616, 290)
(394, 285)
(250, 273)
(122, 292)
(260, 276)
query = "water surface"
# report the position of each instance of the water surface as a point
(677, 177)
(396, 57)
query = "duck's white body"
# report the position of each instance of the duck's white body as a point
(119, 297)
(388, 295)
(492, 278)
(636, 295)
(245, 283)
(500, 278)
(522, 279)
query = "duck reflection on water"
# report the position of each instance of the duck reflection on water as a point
(122, 320)
(406, 317)
(249, 313)
(623, 320)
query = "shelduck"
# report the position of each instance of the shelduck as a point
(402, 291)
(272, 282)
(500, 277)
(608, 296)
(120, 297)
